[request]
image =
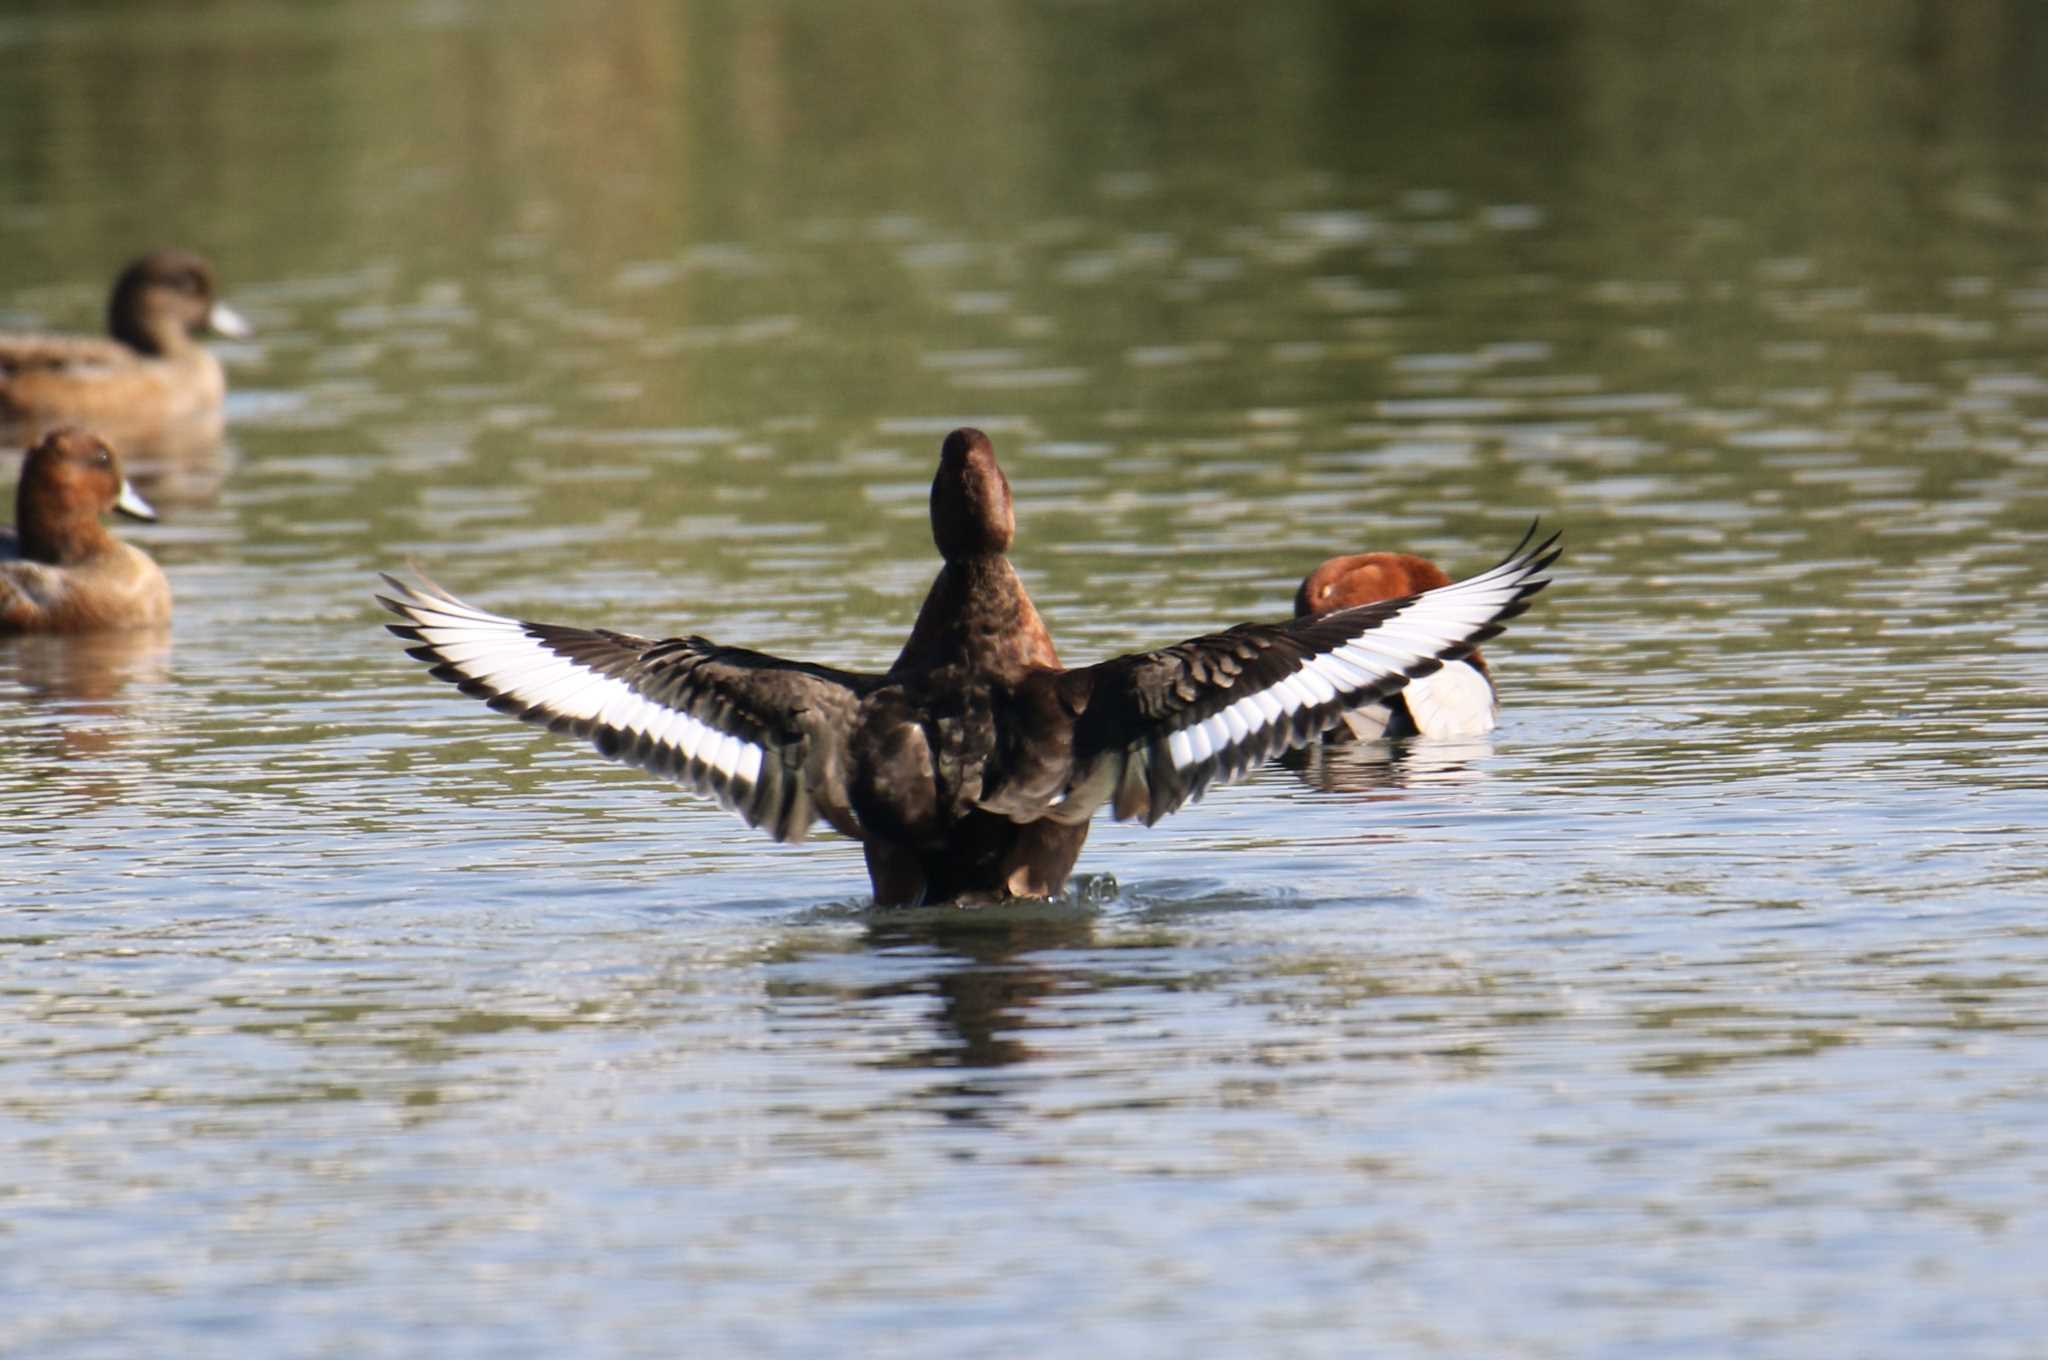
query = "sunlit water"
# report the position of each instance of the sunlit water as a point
(1698, 1012)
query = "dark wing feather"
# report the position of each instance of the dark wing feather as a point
(761, 735)
(1153, 730)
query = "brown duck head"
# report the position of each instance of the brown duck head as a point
(165, 299)
(1364, 578)
(971, 513)
(68, 481)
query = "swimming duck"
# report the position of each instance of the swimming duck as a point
(60, 570)
(972, 765)
(150, 387)
(1458, 701)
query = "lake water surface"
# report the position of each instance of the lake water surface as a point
(1702, 1011)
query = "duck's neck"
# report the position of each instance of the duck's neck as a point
(160, 337)
(977, 611)
(57, 535)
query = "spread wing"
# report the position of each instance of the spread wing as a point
(762, 735)
(1152, 731)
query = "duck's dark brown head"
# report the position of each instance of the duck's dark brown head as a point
(971, 513)
(1364, 578)
(68, 481)
(165, 298)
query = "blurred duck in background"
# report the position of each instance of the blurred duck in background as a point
(150, 387)
(60, 570)
(1457, 701)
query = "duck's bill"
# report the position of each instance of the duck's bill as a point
(225, 320)
(132, 505)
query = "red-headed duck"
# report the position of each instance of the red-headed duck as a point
(972, 765)
(60, 570)
(150, 387)
(1457, 701)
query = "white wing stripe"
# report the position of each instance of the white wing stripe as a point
(694, 735)
(1308, 695)
(1320, 691)
(466, 650)
(645, 717)
(514, 667)
(1450, 612)
(565, 696)
(613, 702)
(522, 669)
(640, 716)
(1341, 673)
(451, 635)
(511, 669)
(1409, 633)
(553, 689)
(693, 738)
(1268, 702)
(618, 707)
(1233, 720)
(1366, 652)
(674, 732)
(451, 608)
(425, 612)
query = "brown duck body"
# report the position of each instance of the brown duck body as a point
(60, 570)
(972, 765)
(149, 387)
(937, 723)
